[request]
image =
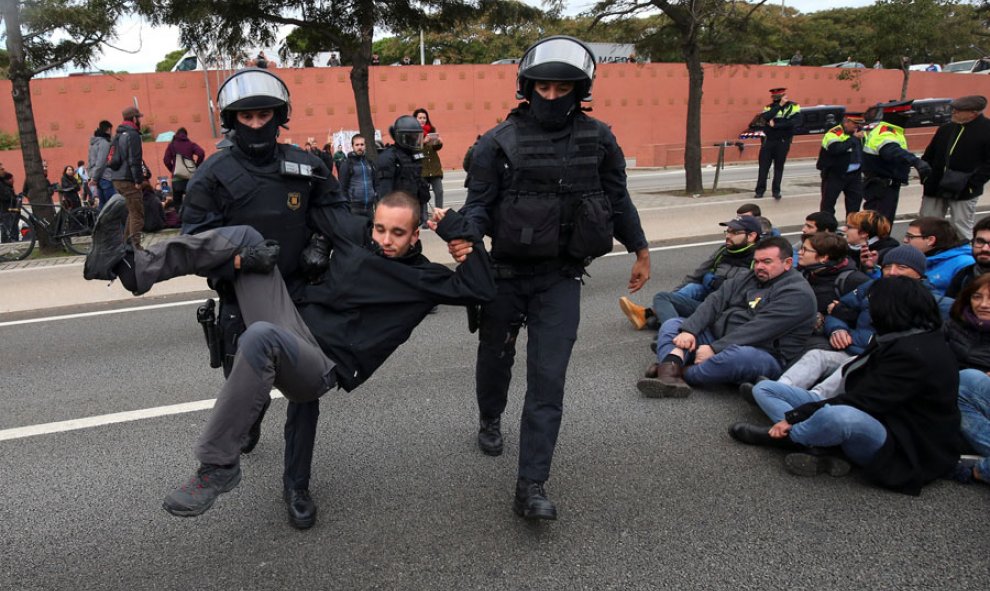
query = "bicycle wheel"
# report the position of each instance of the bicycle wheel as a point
(77, 230)
(16, 237)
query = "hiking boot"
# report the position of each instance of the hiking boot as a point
(635, 314)
(812, 464)
(531, 501)
(669, 383)
(108, 241)
(490, 436)
(652, 370)
(196, 496)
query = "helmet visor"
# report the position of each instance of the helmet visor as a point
(558, 51)
(265, 91)
(410, 139)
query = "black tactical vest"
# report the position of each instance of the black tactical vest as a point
(554, 206)
(272, 198)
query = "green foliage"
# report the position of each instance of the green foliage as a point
(147, 133)
(62, 32)
(171, 58)
(50, 141)
(9, 141)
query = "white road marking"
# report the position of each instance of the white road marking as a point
(117, 417)
(98, 313)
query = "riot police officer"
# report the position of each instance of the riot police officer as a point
(255, 181)
(400, 166)
(549, 186)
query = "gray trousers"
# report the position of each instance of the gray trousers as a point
(962, 214)
(819, 371)
(276, 350)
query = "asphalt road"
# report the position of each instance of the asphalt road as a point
(652, 494)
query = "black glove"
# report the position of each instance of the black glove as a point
(261, 258)
(924, 169)
(315, 259)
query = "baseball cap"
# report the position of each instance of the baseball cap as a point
(746, 223)
(130, 112)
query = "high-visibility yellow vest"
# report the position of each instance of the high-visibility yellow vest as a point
(881, 135)
(836, 134)
(789, 110)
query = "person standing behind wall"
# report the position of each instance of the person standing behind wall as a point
(99, 155)
(959, 154)
(127, 171)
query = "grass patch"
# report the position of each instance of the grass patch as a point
(705, 193)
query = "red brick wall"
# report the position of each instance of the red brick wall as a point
(645, 104)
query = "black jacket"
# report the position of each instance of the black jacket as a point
(831, 282)
(961, 279)
(971, 154)
(970, 346)
(783, 126)
(369, 304)
(910, 384)
(399, 170)
(835, 160)
(128, 153)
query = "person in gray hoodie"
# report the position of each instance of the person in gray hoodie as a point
(753, 325)
(96, 164)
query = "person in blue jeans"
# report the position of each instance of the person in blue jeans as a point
(974, 406)
(753, 325)
(733, 258)
(896, 414)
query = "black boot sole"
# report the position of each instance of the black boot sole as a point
(655, 388)
(522, 511)
(490, 450)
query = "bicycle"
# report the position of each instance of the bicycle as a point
(73, 228)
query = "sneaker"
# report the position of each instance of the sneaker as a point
(963, 471)
(196, 496)
(108, 241)
(808, 464)
(635, 314)
(531, 501)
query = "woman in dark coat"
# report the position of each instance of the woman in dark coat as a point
(897, 415)
(968, 334)
(68, 189)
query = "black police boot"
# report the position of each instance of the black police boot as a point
(301, 508)
(254, 433)
(490, 436)
(759, 435)
(531, 501)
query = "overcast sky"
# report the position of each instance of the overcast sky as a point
(148, 45)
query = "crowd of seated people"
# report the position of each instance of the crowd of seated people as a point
(845, 340)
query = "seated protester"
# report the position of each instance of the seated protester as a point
(377, 289)
(945, 251)
(823, 261)
(981, 253)
(896, 414)
(868, 235)
(849, 327)
(766, 228)
(753, 325)
(732, 259)
(154, 212)
(819, 221)
(749, 209)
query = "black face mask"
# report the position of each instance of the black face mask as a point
(258, 144)
(553, 114)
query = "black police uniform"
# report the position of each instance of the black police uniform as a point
(526, 188)
(400, 170)
(776, 144)
(835, 162)
(276, 199)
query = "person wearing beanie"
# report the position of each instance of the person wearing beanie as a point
(959, 153)
(945, 252)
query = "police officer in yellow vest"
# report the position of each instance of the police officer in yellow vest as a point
(887, 162)
(781, 117)
(841, 162)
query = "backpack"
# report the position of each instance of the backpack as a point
(114, 158)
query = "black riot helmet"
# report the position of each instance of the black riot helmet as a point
(558, 58)
(407, 133)
(252, 89)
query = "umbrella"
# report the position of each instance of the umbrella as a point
(165, 136)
